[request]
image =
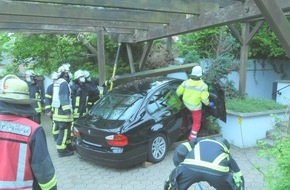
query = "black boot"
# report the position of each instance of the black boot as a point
(65, 152)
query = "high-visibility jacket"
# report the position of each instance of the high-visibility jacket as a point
(80, 97)
(48, 98)
(36, 93)
(61, 101)
(205, 153)
(194, 93)
(24, 155)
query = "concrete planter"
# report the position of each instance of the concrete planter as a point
(244, 129)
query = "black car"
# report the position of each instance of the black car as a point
(138, 122)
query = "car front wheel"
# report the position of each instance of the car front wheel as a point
(157, 148)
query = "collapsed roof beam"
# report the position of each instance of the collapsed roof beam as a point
(187, 7)
(235, 13)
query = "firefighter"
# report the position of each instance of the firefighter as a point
(25, 160)
(48, 101)
(35, 92)
(62, 111)
(205, 160)
(95, 90)
(194, 92)
(79, 95)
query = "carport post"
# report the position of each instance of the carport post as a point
(101, 57)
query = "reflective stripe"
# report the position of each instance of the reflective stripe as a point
(16, 184)
(48, 185)
(197, 152)
(187, 145)
(206, 165)
(19, 183)
(21, 162)
(48, 96)
(63, 145)
(66, 107)
(220, 158)
(195, 88)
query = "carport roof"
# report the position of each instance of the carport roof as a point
(131, 20)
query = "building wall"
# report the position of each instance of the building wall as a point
(260, 77)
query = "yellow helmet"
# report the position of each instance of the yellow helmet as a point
(15, 91)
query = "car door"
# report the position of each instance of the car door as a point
(216, 95)
(165, 106)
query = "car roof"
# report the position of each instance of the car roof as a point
(143, 86)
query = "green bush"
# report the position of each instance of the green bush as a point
(248, 105)
(277, 175)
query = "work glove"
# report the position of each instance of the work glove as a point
(239, 181)
(211, 104)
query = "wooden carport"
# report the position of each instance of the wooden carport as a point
(133, 21)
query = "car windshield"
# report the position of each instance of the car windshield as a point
(116, 106)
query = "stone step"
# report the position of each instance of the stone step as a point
(271, 135)
(268, 142)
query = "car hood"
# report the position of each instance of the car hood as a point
(99, 123)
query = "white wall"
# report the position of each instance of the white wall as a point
(260, 78)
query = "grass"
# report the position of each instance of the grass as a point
(249, 105)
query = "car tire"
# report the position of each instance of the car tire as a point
(157, 148)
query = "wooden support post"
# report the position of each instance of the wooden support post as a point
(169, 44)
(244, 40)
(101, 57)
(130, 57)
(244, 59)
(145, 53)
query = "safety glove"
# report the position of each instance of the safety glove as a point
(239, 181)
(211, 104)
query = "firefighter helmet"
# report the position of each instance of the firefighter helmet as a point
(30, 73)
(86, 73)
(54, 75)
(64, 68)
(196, 71)
(15, 91)
(78, 74)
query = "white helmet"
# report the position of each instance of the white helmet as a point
(64, 68)
(30, 73)
(78, 74)
(86, 73)
(196, 71)
(54, 75)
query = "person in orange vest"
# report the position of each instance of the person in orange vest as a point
(194, 92)
(25, 160)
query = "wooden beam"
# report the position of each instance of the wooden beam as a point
(40, 27)
(156, 72)
(101, 57)
(254, 31)
(277, 21)
(237, 12)
(20, 19)
(79, 12)
(145, 53)
(130, 57)
(177, 6)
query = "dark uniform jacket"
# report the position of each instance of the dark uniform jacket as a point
(79, 99)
